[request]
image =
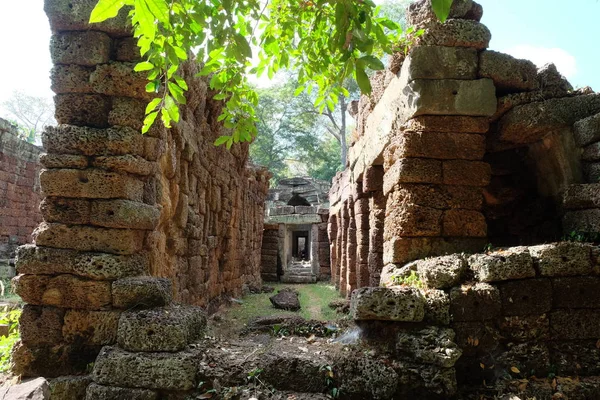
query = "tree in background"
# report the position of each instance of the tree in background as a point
(30, 114)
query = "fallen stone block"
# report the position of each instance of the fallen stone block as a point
(502, 265)
(287, 299)
(404, 304)
(34, 389)
(161, 329)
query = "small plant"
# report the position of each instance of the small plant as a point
(10, 318)
(411, 280)
(254, 378)
(488, 248)
(582, 237)
(330, 382)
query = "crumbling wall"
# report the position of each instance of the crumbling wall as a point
(19, 194)
(458, 146)
(477, 322)
(129, 219)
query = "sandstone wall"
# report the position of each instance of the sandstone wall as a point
(19, 193)
(123, 211)
(486, 323)
(458, 146)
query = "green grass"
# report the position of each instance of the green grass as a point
(314, 302)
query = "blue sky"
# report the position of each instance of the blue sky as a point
(564, 31)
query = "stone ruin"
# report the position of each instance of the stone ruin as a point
(456, 147)
(19, 194)
(295, 243)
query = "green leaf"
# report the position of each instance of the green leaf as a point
(176, 92)
(441, 8)
(143, 66)
(159, 9)
(152, 105)
(222, 140)
(298, 90)
(106, 9)
(372, 62)
(149, 120)
(362, 79)
(243, 46)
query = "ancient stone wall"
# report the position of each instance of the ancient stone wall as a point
(129, 219)
(456, 147)
(486, 323)
(19, 194)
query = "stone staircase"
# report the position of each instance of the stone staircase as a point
(299, 272)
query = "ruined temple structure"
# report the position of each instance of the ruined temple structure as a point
(456, 147)
(295, 243)
(19, 194)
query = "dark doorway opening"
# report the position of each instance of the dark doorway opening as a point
(298, 200)
(300, 245)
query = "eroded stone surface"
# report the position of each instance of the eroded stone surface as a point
(442, 272)
(513, 263)
(390, 304)
(562, 259)
(141, 292)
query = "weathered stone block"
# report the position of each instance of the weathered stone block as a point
(456, 33)
(52, 361)
(49, 261)
(587, 130)
(63, 161)
(69, 139)
(81, 48)
(87, 238)
(64, 291)
(576, 292)
(168, 371)
(439, 62)
(502, 265)
(82, 109)
(412, 170)
(474, 303)
(161, 329)
(591, 171)
(442, 197)
(69, 387)
(582, 221)
(91, 327)
(447, 123)
(429, 145)
(141, 291)
(123, 214)
(508, 73)
(575, 358)
(530, 122)
(41, 326)
(575, 324)
(432, 345)
(442, 272)
(400, 250)
(411, 220)
(373, 178)
(119, 79)
(70, 79)
(437, 307)
(90, 183)
(128, 112)
(64, 15)
(562, 259)
(450, 97)
(99, 392)
(526, 297)
(582, 196)
(464, 223)
(65, 210)
(389, 304)
(476, 338)
(131, 164)
(591, 152)
(421, 12)
(467, 173)
(127, 50)
(525, 328)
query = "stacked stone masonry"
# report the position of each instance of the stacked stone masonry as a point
(19, 194)
(492, 319)
(131, 222)
(458, 146)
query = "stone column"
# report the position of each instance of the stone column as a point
(361, 216)
(373, 184)
(332, 233)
